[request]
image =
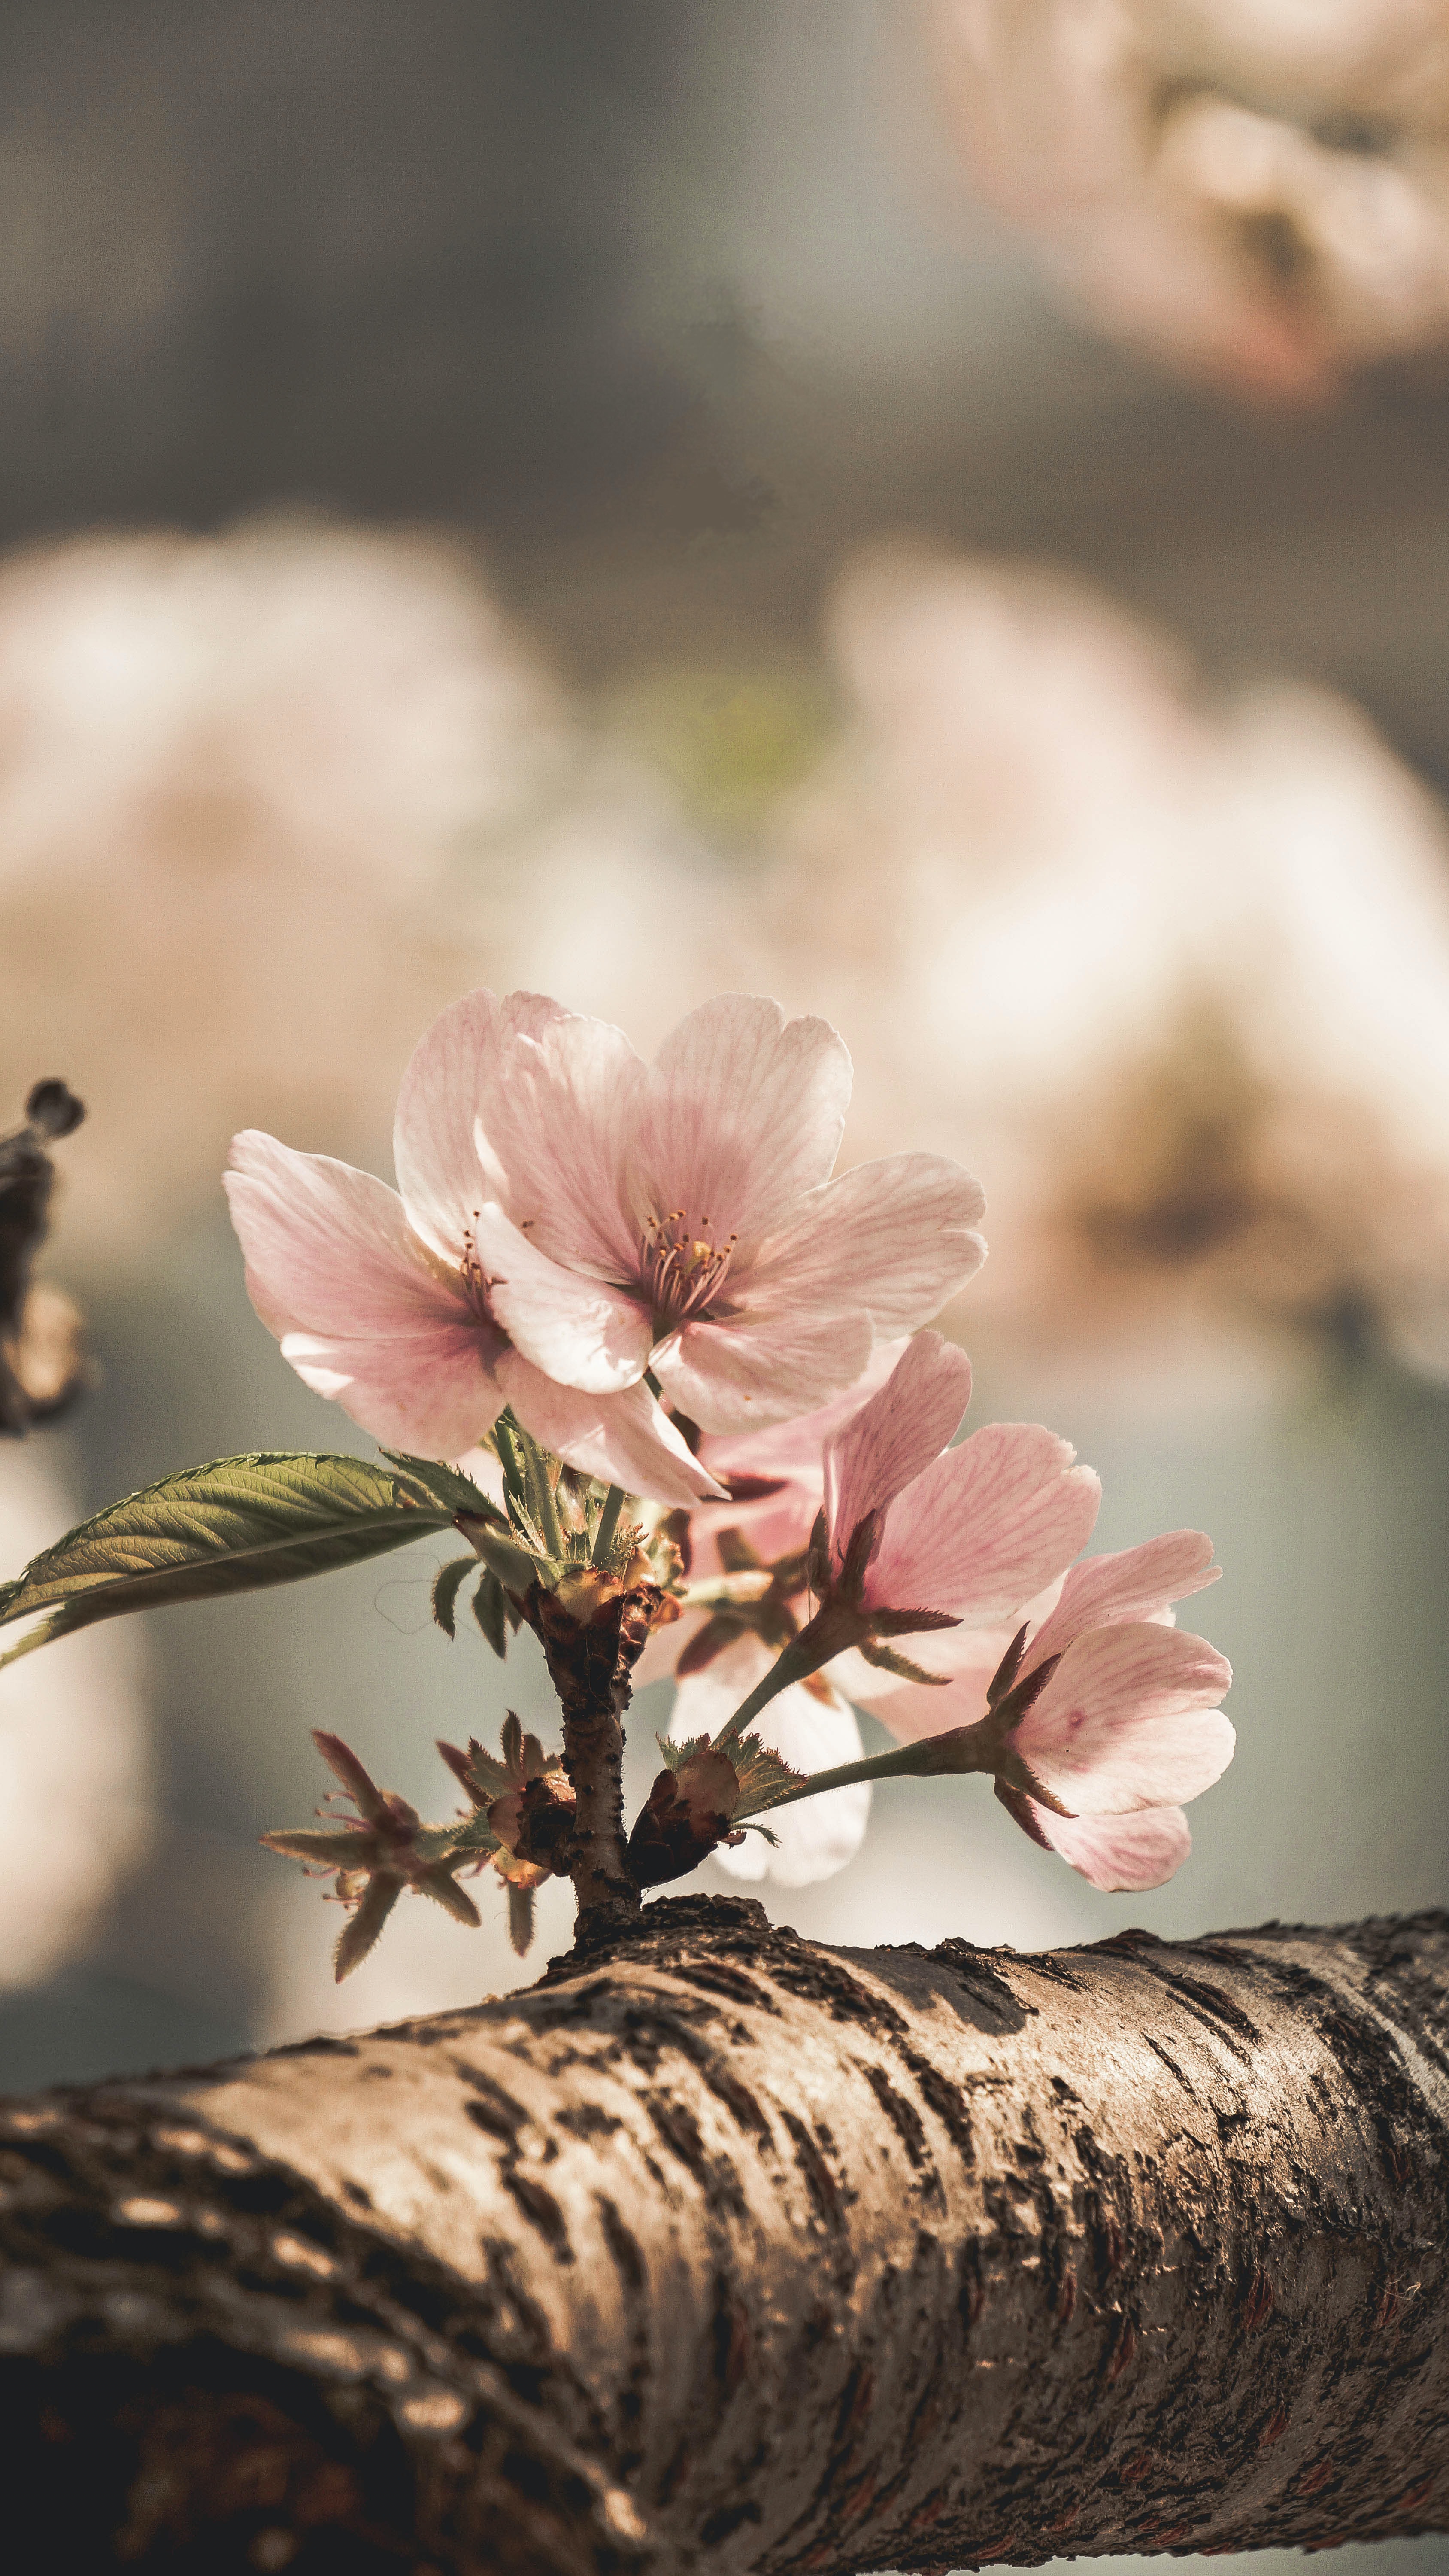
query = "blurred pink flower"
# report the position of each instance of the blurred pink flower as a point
(380, 1301)
(1178, 977)
(681, 1218)
(205, 738)
(1260, 194)
(77, 1765)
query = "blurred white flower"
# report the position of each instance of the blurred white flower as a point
(812, 1728)
(1174, 980)
(74, 1752)
(1259, 189)
(243, 782)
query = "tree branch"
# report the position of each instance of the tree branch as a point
(593, 1631)
(720, 2248)
(42, 1359)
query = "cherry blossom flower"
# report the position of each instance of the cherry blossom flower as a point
(1096, 1717)
(1261, 194)
(1135, 1583)
(1178, 966)
(921, 1536)
(680, 1218)
(379, 1300)
(1100, 1719)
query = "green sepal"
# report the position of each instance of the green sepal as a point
(763, 1777)
(886, 1659)
(469, 1837)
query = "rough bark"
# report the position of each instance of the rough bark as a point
(720, 2248)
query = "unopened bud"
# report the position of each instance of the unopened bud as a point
(536, 1823)
(688, 1813)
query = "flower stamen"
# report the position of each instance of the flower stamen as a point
(682, 1271)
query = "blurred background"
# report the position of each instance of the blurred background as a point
(936, 512)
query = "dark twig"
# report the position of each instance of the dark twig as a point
(41, 1359)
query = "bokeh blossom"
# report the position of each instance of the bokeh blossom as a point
(1174, 978)
(247, 782)
(77, 1785)
(1256, 190)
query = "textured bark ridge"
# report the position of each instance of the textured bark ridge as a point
(720, 2249)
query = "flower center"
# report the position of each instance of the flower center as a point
(682, 1271)
(474, 1278)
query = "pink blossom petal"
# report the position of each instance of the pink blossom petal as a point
(1129, 1719)
(575, 1329)
(911, 1711)
(561, 1124)
(1135, 1583)
(448, 1084)
(792, 1452)
(893, 1438)
(333, 1270)
(1112, 1852)
(743, 1117)
(623, 1439)
(431, 1394)
(986, 1526)
(897, 1237)
(330, 1247)
(760, 1367)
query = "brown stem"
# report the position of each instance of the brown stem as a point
(593, 1634)
(41, 1356)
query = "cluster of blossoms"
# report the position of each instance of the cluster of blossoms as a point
(698, 1364)
(1259, 193)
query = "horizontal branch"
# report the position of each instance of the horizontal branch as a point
(721, 2249)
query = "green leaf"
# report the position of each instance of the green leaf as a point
(235, 1525)
(446, 1588)
(447, 1486)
